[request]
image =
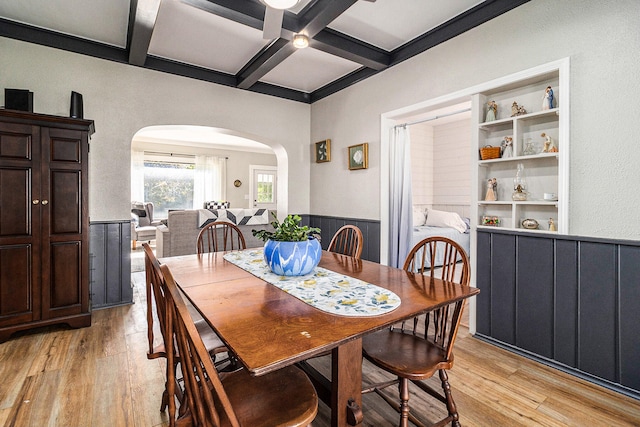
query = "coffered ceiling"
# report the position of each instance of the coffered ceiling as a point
(221, 41)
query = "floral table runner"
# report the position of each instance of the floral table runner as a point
(323, 289)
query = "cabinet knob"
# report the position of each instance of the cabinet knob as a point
(45, 202)
(35, 201)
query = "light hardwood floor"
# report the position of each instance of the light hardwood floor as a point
(100, 376)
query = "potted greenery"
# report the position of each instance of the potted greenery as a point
(290, 249)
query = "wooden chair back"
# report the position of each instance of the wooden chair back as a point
(206, 402)
(155, 297)
(454, 266)
(285, 397)
(439, 326)
(417, 348)
(220, 236)
(348, 240)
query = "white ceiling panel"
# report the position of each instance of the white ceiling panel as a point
(193, 36)
(104, 21)
(309, 69)
(223, 37)
(386, 25)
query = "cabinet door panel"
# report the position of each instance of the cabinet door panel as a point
(20, 245)
(65, 275)
(16, 142)
(65, 148)
(65, 223)
(15, 202)
(64, 205)
(17, 302)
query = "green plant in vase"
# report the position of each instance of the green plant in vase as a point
(290, 249)
(289, 230)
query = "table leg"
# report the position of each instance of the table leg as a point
(346, 384)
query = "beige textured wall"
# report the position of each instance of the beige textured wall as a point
(122, 99)
(602, 40)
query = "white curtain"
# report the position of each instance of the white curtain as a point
(400, 196)
(137, 176)
(210, 180)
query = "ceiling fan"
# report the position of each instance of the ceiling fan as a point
(273, 15)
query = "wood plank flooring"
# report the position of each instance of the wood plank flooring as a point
(100, 376)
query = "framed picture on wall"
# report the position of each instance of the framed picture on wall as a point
(359, 156)
(323, 151)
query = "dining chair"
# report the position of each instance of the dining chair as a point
(156, 296)
(220, 236)
(348, 240)
(283, 397)
(416, 349)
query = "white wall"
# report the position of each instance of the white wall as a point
(440, 163)
(451, 160)
(602, 41)
(122, 99)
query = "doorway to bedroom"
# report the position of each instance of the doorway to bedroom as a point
(437, 138)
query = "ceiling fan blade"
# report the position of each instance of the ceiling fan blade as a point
(272, 26)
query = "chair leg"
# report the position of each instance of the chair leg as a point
(171, 391)
(451, 405)
(133, 244)
(165, 399)
(403, 388)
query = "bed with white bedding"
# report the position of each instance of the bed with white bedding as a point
(441, 223)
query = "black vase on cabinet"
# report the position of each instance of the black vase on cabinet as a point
(76, 106)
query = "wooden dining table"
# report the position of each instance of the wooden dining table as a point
(267, 328)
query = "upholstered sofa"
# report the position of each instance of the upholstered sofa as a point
(143, 226)
(179, 235)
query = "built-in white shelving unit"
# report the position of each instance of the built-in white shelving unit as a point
(545, 172)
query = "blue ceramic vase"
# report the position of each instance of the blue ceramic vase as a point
(292, 258)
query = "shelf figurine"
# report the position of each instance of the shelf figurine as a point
(547, 99)
(492, 111)
(507, 147)
(529, 148)
(549, 145)
(492, 190)
(552, 225)
(517, 110)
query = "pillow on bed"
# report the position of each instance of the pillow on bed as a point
(418, 217)
(445, 219)
(467, 222)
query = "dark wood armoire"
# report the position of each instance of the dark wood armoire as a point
(44, 221)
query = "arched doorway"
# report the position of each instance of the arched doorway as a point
(239, 148)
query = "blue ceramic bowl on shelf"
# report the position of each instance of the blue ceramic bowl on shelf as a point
(292, 258)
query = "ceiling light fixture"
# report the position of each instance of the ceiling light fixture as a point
(281, 4)
(300, 41)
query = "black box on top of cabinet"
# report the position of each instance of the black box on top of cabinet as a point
(18, 99)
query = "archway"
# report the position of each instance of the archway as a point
(206, 137)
